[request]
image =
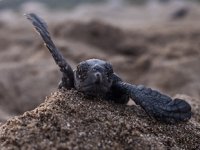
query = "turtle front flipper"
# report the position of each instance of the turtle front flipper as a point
(157, 105)
(65, 68)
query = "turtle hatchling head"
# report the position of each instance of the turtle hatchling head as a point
(93, 77)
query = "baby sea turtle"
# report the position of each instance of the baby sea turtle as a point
(95, 77)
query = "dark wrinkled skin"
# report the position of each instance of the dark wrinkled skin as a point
(96, 78)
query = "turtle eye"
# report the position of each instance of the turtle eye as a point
(82, 70)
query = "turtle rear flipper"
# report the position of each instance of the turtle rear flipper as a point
(65, 68)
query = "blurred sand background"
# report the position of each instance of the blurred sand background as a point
(147, 43)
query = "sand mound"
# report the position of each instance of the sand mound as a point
(67, 120)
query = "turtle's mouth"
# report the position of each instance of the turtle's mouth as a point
(94, 89)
